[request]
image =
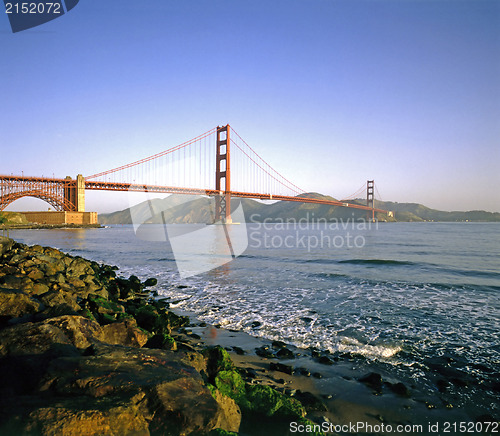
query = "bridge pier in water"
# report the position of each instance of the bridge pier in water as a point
(74, 193)
(370, 199)
(223, 176)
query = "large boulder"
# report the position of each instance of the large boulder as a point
(79, 267)
(15, 304)
(60, 302)
(31, 339)
(229, 417)
(16, 281)
(177, 401)
(5, 245)
(79, 416)
(80, 331)
(124, 333)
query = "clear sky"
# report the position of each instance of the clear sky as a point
(331, 93)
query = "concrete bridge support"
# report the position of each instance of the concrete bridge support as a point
(74, 193)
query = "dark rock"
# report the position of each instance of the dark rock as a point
(255, 324)
(315, 353)
(278, 344)
(348, 356)
(325, 360)
(311, 402)
(249, 373)
(238, 350)
(317, 375)
(442, 385)
(287, 369)
(460, 382)
(285, 353)
(303, 371)
(150, 282)
(264, 351)
(495, 386)
(399, 389)
(148, 318)
(162, 341)
(373, 380)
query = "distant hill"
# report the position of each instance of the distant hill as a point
(199, 209)
(419, 212)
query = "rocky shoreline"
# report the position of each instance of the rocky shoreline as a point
(83, 351)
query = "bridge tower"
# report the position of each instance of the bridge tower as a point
(223, 176)
(74, 192)
(370, 198)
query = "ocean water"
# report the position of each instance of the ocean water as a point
(417, 297)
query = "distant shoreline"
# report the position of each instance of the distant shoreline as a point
(35, 226)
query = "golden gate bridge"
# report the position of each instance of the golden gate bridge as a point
(217, 163)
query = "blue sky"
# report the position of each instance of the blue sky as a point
(331, 93)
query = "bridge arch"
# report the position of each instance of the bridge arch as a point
(58, 202)
(59, 193)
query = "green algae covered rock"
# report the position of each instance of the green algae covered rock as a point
(266, 400)
(162, 341)
(220, 432)
(231, 384)
(259, 399)
(218, 359)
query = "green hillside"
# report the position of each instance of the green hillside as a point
(10, 218)
(199, 209)
(419, 212)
